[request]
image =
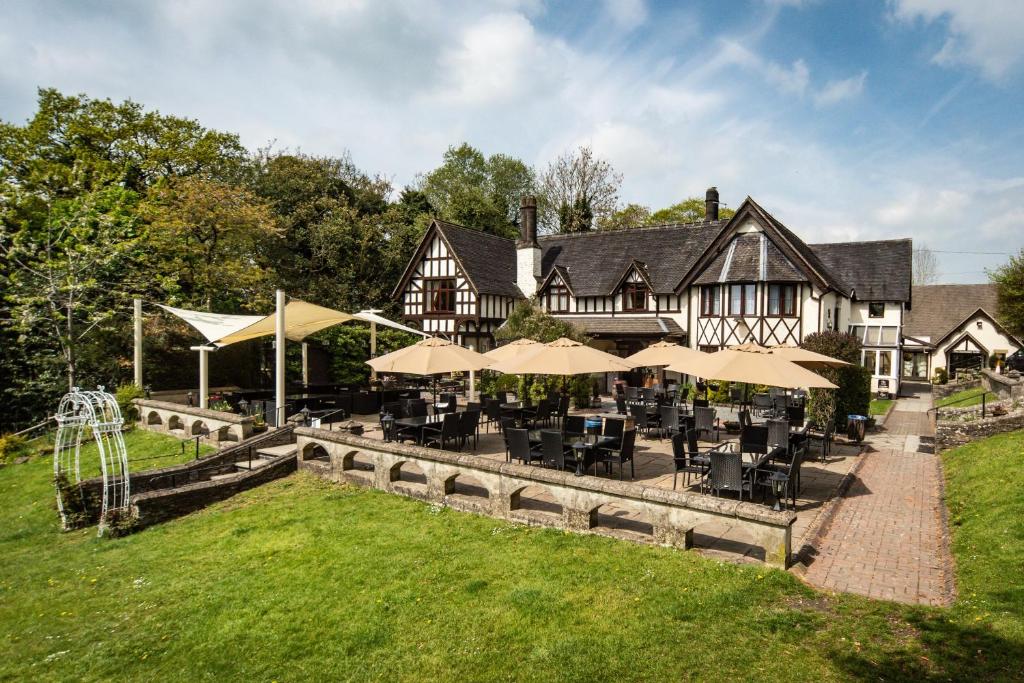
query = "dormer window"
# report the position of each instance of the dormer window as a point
(742, 300)
(440, 295)
(558, 297)
(634, 296)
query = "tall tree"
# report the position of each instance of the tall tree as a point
(690, 210)
(576, 190)
(629, 216)
(478, 191)
(1009, 281)
(925, 266)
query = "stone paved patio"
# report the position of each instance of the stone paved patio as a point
(888, 538)
(820, 483)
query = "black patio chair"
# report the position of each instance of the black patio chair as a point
(469, 427)
(563, 409)
(681, 461)
(417, 408)
(620, 404)
(620, 455)
(554, 451)
(441, 435)
(615, 429)
(701, 403)
(537, 414)
(705, 423)
(744, 417)
(647, 393)
(736, 396)
(682, 395)
(641, 419)
(778, 433)
(574, 425)
(824, 435)
(754, 439)
(519, 447)
(795, 414)
(492, 414)
(669, 420)
(762, 405)
(725, 473)
(789, 472)
(632, 393)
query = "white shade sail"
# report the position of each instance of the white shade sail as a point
(432, 356)
(372, 317)
(301, 319)
(213, 326)
(563, 357)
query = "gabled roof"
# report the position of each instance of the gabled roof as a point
(488, 261)
(878, 270)
(793, 257)
(750, 258)
(626, 326)
(940, 310)
(562, 273)
(597, 260)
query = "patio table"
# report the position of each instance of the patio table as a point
(591, 442)
(418, 423)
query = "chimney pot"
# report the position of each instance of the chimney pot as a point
(528, 221)
(711, 204)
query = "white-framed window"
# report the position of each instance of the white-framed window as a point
(878, 362)
(742, 300)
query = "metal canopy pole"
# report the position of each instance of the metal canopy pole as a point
(137, 304)
(305, 364)
(204, 374)
(279, 358)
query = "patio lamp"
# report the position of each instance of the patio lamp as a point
(387, 422)
(243, 406)
(305, 415)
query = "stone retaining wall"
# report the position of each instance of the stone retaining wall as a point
(215, 425)
(673, 515)
(1002, 386)
(949, 434)
(940, 391)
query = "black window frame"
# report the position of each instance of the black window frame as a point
(555, 291)
(871, 306)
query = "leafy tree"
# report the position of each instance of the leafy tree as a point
(204, 239)
(926, 267)
(528, 320)
(629, 216)
(577, 189)
(690, 210)
(478, 191)
(1009, 282)
(853, 397)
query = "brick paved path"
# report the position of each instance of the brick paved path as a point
(888, 538)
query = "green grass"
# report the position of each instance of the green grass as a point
(146, 450)
(972, 396)
(879, 406)
(302, 579)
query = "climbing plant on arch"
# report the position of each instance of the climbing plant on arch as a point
(95, 414)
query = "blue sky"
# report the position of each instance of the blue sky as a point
(848, 120)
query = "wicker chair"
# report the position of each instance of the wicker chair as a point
(554, 451)
(574, 425)
(620, 455)
(441, 435)
(704, 421)
(684, 460)
(726, 474)
(519, 447)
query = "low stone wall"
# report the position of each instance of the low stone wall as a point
(217, 426)
(1002, 386)
(950, 434)
(673, 515)
(940, 391)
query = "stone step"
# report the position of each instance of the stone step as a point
(218, 477)
(254, 465)
(278, 451)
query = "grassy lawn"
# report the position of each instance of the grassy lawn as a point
(303, 579)
(972, 396)
(880, 405)
(146, 450)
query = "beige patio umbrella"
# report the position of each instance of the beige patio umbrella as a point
(519, 348)
(755, 364)
(806, 358)
(666, 353)
(431, 356)
(563, 357)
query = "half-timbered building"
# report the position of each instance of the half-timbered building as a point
(708, 285)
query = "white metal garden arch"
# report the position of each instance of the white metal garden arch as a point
(97, 410)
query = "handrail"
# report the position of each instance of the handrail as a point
(984, 397)
(45, 422)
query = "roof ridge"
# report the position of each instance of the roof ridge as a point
(475, 231)
(639, 228)
(829, 244)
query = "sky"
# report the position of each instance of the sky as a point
(846, 119)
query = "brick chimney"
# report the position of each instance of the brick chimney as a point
(527, 249)
(711, 204)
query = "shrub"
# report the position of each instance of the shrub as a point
(125, 394)
(854, 381)
(13, 447)
(941, 376)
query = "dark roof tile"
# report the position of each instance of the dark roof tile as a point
(938, 309)
(874, 271)
(489, 260)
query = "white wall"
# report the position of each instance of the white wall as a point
(987, 335)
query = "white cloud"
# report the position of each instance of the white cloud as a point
(838, 91)
(626, 14)
(984, 34)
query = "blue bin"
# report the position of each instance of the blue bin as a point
(592, 425)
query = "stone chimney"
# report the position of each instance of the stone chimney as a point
(711, 204)
(527, 248)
